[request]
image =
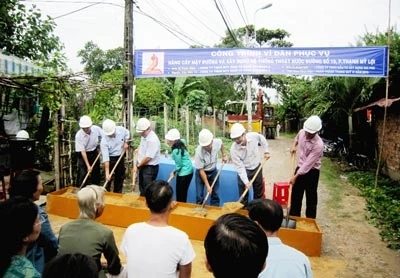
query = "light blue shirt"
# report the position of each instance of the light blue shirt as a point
(88, 142)
(205, 160)
(284, 261)
(113, 145)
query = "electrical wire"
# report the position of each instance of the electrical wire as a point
(226, 24)
(241, 15)
(171, 26)
(199, 20)
(171, 30)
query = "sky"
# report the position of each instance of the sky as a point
(311, 23)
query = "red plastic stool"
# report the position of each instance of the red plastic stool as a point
(281, 193)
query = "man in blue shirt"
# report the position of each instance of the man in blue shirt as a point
(113, 144)
(283, 260)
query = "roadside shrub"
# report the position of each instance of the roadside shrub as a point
(383, 204)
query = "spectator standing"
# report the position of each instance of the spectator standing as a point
(306, 176)
(148, 154)
(28, 184)
(113, 144)
(245, 154)
(183, 165)
(206, 158)
(283, 260)
(153, 248)
(86, 142)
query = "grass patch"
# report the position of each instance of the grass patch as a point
(383, 204)
(330, 177)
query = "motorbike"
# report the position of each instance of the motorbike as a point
(335, 148)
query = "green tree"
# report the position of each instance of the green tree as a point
(244, 37)
(26, 34)
(97, 61)
(150, 93)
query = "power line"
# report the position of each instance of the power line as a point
(226, 24)
(241, 15)
(171, 30)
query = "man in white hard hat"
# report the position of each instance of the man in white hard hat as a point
(205, 160)
(86, 141)
(148, 154)
(114, 144)
(306, 176)
(245, 155)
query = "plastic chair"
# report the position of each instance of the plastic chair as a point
(281, 193)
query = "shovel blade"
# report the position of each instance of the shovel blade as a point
(289, 224)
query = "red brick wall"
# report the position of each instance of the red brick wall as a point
(391, 141)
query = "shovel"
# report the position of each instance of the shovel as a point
(289, 223)
(202, 209)
(234, 206)
(134, 175)
(115, 167)
(87, 175)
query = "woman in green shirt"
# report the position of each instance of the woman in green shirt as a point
(183, 164)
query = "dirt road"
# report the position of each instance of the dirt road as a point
(351, 246)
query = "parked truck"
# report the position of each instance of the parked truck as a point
(263, 120)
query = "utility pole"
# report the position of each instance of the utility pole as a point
(128, 77)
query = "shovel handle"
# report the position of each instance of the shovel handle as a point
(88, 173)
(252, 180)
(115, 166)
(212, 185)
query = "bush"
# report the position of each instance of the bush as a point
(383, 203)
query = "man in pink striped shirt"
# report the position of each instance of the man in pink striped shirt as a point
(306, 176)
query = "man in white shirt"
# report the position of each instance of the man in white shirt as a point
(245, 155)
(153, 248)
(205, 160)
(86, 141)
(148, 154)
(283, 260)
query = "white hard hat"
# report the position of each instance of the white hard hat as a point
(173, 134)
(22, 134)
(142, 124)
(85, 121)
(313, 124)
(237, 130)
(205, 137)
(108, 127)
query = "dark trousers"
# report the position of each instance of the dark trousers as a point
(200, 188)
(182, 187)
(307, 183)
(94, 177)
(119, 174)
(147, 174)
(258, 186)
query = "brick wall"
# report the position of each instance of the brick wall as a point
(391, 142)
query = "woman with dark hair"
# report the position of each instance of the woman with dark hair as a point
(183, 164)
(21, 226)
(75, 265)
(28, 184)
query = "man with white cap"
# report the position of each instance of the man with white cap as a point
(245, 155)
(86, 141)
(148, 154)
(113, 144)
(306, 176)
(205, 160)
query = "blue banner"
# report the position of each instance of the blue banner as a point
(318, 61)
